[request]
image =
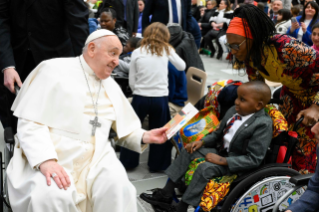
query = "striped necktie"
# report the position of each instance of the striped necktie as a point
(174, 10)
(231, 123)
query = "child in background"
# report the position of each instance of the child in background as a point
(237, 146)
(315, 36)
(148, 79)
(283, 21)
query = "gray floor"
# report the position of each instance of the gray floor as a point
(141, 178)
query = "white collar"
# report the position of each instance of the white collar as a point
(86, 67)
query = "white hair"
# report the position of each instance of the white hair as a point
(97, 43)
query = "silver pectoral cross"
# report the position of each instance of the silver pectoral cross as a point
(95, 124)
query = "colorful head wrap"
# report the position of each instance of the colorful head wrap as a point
(236, 26)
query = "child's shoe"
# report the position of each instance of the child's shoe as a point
(158, 197)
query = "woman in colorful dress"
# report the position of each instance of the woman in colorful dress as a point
(280, 58)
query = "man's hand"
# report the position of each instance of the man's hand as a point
(303, 27)
(192, 147)
(133, 34)
(49, 167)
(216, 159)
(10, 77)
(155, 136)
(311, 115)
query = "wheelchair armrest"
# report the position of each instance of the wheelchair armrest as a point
(8, 135)
(301, 180)
(112, 134)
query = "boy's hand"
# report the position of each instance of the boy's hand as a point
(192, 147)
(216, 159)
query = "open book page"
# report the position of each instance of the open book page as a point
(181, 118)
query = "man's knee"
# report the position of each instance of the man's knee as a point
(51, 195)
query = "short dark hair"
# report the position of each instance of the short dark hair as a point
(133, 41)
(315, 26)
(295, 10)
(286, 15)
(111, 11)
(261, 6)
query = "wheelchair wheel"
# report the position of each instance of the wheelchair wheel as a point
(7, 158)
(276, 173)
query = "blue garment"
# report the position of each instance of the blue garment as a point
(177, 86)
(306, 38)
(309, 200)
(174, 11)
(139, 27)
(93, 23)
(124, 3)
(195, 31)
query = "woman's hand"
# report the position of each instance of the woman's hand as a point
(61, 178)
(294, 26)
(303, 27)
(155, 136)
(192, 147)
(216, 159)
(311, 115)
(288, 211)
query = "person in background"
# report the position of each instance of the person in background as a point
(283, 21)
(177, 87)
(122, 70)
(196, 9)
(108, 20)
(261, 6)
(141, 5)
(302, 28)
(127, 14)
(315, 36)
(185, 46)
(148, 79)
(276, 6)
(203, 23)
(295, 11)
(219, 22)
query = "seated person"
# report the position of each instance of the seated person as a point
(123, 68)
(177, 89)
(239, 145)
(309, 200)
(108, 21)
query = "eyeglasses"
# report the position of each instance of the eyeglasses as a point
(234, 46)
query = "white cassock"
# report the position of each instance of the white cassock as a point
(54, 107)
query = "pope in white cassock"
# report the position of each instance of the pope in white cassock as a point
(66, 108)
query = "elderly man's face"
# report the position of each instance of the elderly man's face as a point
(276, 6)
(106, 56)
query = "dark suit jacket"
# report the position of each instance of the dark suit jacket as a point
(49, 28)
(132, 13)
(309, 200)
(159, 11)
(205, 24)
(249, 145)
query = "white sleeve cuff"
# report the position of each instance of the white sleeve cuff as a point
(2, 71)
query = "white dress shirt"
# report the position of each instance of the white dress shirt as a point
(232, 131)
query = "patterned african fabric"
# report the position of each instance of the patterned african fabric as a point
(279, 122)
(296, 66)
(122, 34)
(215, 190)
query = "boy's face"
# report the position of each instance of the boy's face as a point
(246, 102)
(107, 22)
(127, 48)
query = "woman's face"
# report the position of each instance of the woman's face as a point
(141, 6)
(242, 52)
(310, 11)
(222, 5)
(209, 5)
(279, 17)
(315, 37)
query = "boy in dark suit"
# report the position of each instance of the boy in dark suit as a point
(239, 145)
